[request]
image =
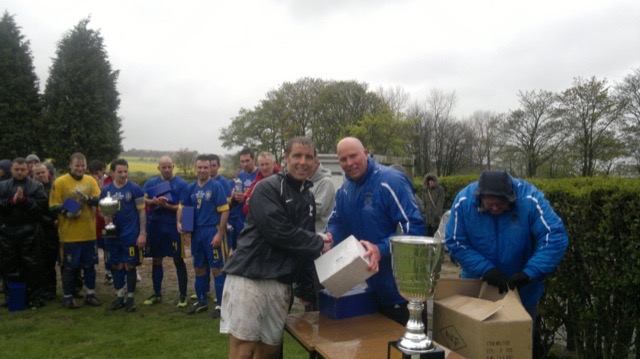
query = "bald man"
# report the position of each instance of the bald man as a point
(164, 239)
(372, 204)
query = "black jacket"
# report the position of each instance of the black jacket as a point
(279, 234)
(29, 210)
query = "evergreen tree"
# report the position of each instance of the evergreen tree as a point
(81, 99)
(19, 98)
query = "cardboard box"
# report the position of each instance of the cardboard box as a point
(474, 320)
(343, 267)
(359, 300)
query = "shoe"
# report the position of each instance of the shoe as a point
(194, 297)
(216, 313)
(154, 299)
(108, 279)
(70, 304)
(198, 308)
(130, 305)
(117, 304)
(182, 303)
(92, 301)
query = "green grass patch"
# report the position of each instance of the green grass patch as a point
(157, 331)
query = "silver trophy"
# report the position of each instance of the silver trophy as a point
(416, 263)
(108, 207)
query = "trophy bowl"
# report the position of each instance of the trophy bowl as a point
(108, 207)
(416, 262)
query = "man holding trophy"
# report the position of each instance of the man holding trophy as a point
(130, 221)
(370, 205)
(73, 197)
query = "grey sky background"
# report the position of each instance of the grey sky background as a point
(187, 67)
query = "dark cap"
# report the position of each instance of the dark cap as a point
(495, 184)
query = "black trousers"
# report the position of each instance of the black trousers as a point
(18, 256)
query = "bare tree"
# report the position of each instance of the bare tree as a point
(489, 141)
(439, 108)
(535, 129)
(627, 93)
(396, 98)
(185, 160)
(588, 107)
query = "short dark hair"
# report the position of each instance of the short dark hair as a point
(246, 151)
(203, 158)
(119, 162)
(95, 166)
(19, 160)
(215, 158)
(304, 141)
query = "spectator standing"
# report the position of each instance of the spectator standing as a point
(124, 248)
(433, 199)
(164, 239)
(77, 230)
(22, 205)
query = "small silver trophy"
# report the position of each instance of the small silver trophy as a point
(416, 262)
(108, 207)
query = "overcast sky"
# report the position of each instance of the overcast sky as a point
(187, 67)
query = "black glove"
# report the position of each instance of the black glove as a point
(93, 201)
(518, 280)
(495, 278)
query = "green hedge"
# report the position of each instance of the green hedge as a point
(592, 301)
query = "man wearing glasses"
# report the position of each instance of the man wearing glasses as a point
(503, 230)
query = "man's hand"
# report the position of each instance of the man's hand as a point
(495, 278)
(179, 225)
(327, 239)
(373, 253)
(518, 280)
(82, 197)
(239, 197)
(141, 242)
(217, 240)
(161, 201)
(72, 215)
(19, 196)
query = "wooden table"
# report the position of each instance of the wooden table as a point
(365, 336)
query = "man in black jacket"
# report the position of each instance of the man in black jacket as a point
(22, 204)
(277, 239)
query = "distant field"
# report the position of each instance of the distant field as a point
(148, 166)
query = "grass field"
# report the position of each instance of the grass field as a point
(148, 166)
(158, 331)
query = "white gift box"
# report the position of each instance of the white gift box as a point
(343, 267)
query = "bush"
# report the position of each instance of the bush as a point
(592, 300)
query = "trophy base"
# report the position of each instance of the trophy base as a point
(393, 352)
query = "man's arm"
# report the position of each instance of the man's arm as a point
(142, 220)
(457, 240)
(551, 238)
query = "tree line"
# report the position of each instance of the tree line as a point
(591, 128)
